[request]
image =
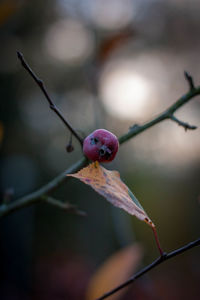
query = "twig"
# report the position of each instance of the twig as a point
(44, 90)
(189, 78)
(36, 196)
(183, 124)
(151, 266)
(167, 114)
(63, 205)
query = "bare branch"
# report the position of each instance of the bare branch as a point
(167, 114)
(63, 205)
(151, 266)
(36, 196)
(44, 90)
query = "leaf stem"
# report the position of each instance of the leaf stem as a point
(157, 241)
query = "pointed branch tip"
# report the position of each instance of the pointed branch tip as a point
(185, 125)
(47, 96)
(189, 79)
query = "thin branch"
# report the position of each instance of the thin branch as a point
(151, 266)
(167, 114)
(44, 90)
(185, 125)
(36, 196)
(63, 205)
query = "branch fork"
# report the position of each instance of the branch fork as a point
(167, 114)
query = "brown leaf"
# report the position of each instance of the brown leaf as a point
(114, 271)
(108, 184)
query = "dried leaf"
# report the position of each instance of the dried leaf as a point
(108, 184)
(114, 271)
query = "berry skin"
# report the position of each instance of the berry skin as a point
(101, 145)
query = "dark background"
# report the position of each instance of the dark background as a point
(106, 64)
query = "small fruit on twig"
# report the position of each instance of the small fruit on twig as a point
(101, 145)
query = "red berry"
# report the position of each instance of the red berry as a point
(101, 145)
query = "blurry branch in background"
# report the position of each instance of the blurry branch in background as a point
(151, 266)
(44, 90)
(37, 196)
(63, 205)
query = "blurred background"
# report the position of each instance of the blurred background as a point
(106, 64)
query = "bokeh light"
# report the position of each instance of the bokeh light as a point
(69, 41)
(112, 14)
(125, 93)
